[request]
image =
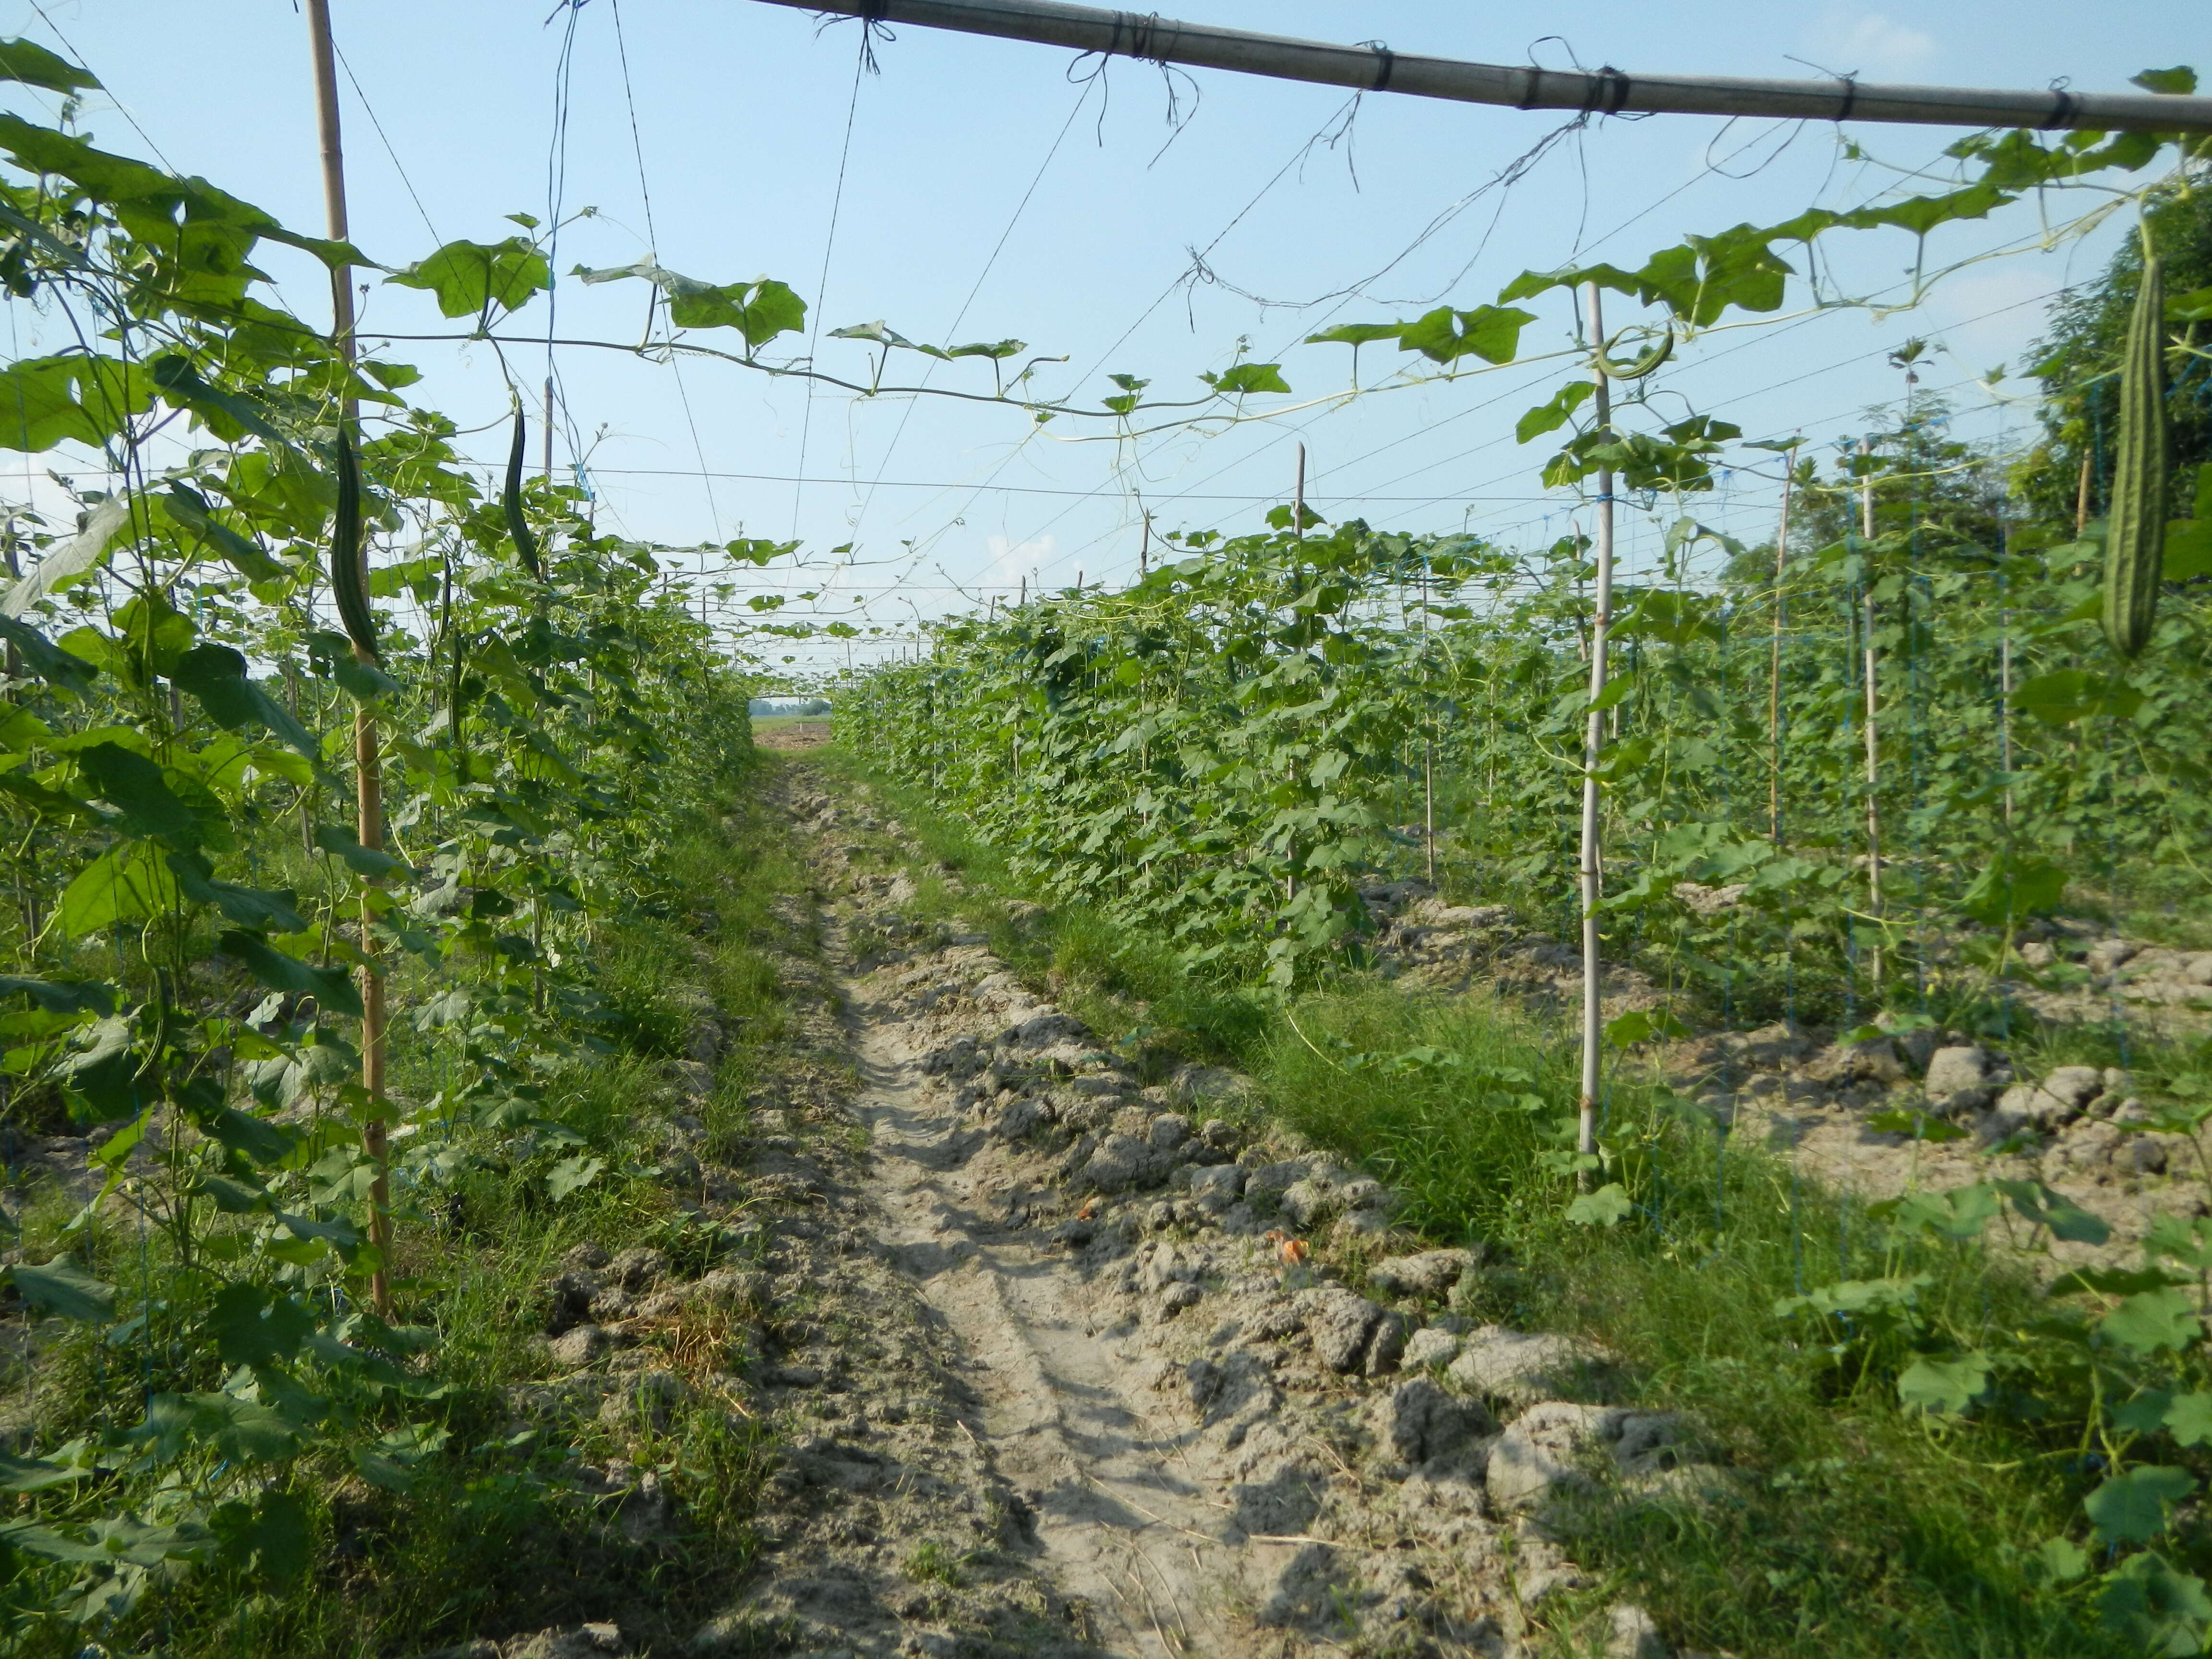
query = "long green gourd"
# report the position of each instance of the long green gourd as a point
(346, 577)
(2136, 527)
(511, 499)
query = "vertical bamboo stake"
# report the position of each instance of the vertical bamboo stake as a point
(369, 780)
(1428, 738)
(2004, 661)
(1593, 736)
(14, 658)
(1873, 745)
(1298, 498)
(1144, 550)
(1774, 666)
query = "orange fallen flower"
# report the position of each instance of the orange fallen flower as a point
(1291, 1250)
(1089, 1209)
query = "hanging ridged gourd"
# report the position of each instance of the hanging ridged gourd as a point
(2135, 535)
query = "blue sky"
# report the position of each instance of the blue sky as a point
(753, 124)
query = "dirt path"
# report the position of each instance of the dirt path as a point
(1206, 1440)
(1116, 1480)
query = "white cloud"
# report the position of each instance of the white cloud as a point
(1009, 560)
(1867, 43)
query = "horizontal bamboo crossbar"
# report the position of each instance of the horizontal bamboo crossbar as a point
(1605, 91)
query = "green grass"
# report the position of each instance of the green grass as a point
(1855, 1529)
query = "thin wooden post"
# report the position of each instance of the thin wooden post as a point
(1774, 667)
(1593, 739)
(1428, 738)
(1873, 703)
(368, 799)
(2004, 660)
(1298, 497)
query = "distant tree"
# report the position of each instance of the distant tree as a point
(2077, 361)
(1944, 490)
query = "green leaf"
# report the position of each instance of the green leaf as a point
(216, 675)
(2150, 1602)
(2188, 1419)
(332, 654)
(243, 1431)
(134, 786)
(476, 278)
(362, 861)
(2131, 1508)
(231, 1197)
(1608, 1204)
(572, 1174)
(45, 400)
(2012, 886)
(225, 414)
(251, 1327)
(44, 1541)
(273, 1538)
(190, 511)
(104, 1072)
(1944, 1386)
(1247, 378)
(258, 1141)
(55, 997)
(37, 1473)
(130, 883)
(51, 803)
(2112, 1281)
(67, 562)
(34, 65)
(261, 910)
(2187, 1241)
(878, 331)
(1552, 414)
(2153, 1320)
(1444, 336)
(2058, 1560)
(1355, 334)
(341, 1235)
(2188, 550)
(1920, 1127)
(996, 350)
(2073, 694)
(2066, 1220)
(760, 310)
(63, 670)
(63, 1288)
(2178, 82)
(1639, 1024)
(333, 987)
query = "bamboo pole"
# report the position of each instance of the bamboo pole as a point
(1298, 497)
(368, 778)
(1873, 742)
(1375, 68)
(2004, 663)
(1774, 667)
(1593, 739)
(1428, 738)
